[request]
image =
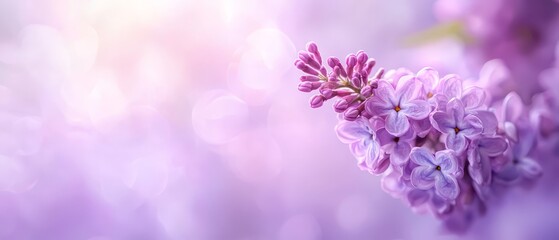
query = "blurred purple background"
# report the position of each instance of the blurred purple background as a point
(169, 119)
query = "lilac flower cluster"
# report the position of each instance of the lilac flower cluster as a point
(439, 143)
(521, 33)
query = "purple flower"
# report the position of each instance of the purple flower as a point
(519, 164)
(429, 79)
(480, 152)
(511, 112)
(419, 130)
(473, 99)
(440, 171)
(450, 86)
(457, 125)
(398, 105)
(398, 147)
(394, 184)
(363, 143)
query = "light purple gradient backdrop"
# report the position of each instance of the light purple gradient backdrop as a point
(168, 119)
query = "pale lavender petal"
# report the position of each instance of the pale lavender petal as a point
(407, 169)
(400, 153)
(421, 127)
(397, 123)
(429, 77)
(446, 186)
(488, 120)
(422, 156)
(418, 197)
(409, 135)
(406, 90)
(440, 101)
(377, 123)
(451, 86)
(443, 122)
(483, 191)
(377, 106)
(481, 171)
(448, 162)
(530, 168)
(455, 108)
(384, 137)
(492, 146)
(393, 184)
(352, 131)
(473, 98)
(380, 166)
(512, 107)
(471, 126)
(510, 131)
(359, 148)
(416, 109)
(439, 205)
(373, 152)
(423, 177)
(386, 91)
(474, 155)
(493, 73)
(456, 142)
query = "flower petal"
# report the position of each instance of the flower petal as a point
(481, 171)
(451, 86)
(446, 186)
(493, 73)
(422, 157)
(416, 109)
(409, 135)
(448, 162)
(397, 123)
(417, 197)
(440, 101)
(429, 77)
(471, 126)
(512, 107)
(393, 184)
(352, 131)
(530, 168)
(380, 166)
(500, 162)
(455, 108)
(423, 177)
(359, 148)
(492, 146)
(406, 90)
(443, 122)
(400, 154)
(421, 127)
(373, 153)
(473, 98)
(456, 142)
(378, 106)
(509, 174)
(526, 141)
(510, 131)
(384, 137)
(488, 120)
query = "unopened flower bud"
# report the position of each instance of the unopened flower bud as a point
(351, 113)
(317, 101)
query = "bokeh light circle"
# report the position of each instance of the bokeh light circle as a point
(219, 116)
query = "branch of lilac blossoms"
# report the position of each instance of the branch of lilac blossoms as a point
(350, 84)
(439, 146)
